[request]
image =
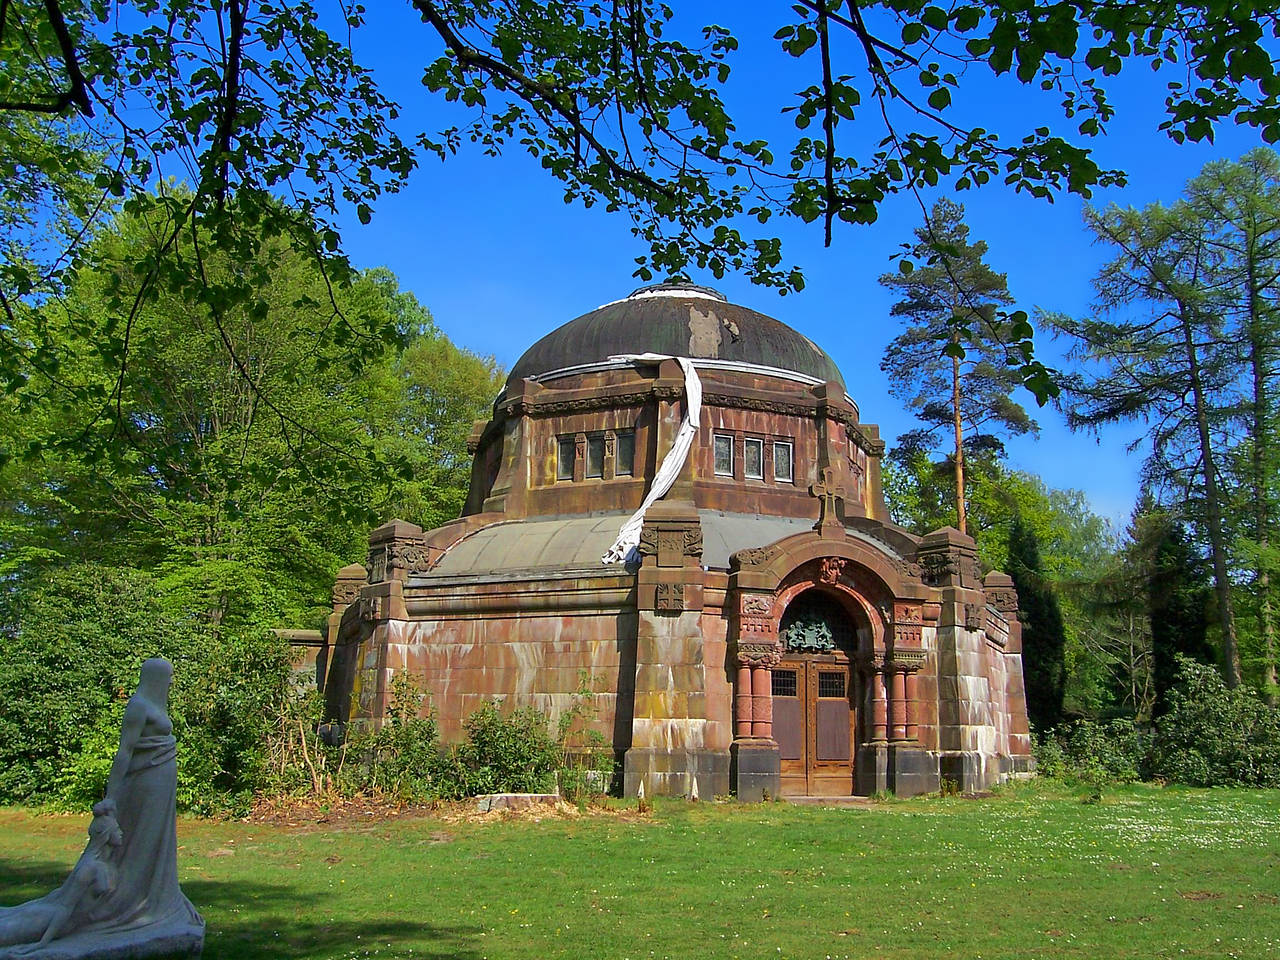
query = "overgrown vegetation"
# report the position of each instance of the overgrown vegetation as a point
(1210, 736)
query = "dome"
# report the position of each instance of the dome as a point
(678, 319)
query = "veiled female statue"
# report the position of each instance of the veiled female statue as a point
(122, 898)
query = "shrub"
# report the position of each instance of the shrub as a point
(73, 662)
(400, 759)
(1095, 752)
(514, 753)
(1214, 736)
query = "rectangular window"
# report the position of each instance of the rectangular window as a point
(595, 456)
(784, 683)
(625, 462)
(565, 452)
(782, 468)
(753, 459)
(724, 456)
(830, 684)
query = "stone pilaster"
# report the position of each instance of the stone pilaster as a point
(670, 719)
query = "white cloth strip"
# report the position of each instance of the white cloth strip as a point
(629, 536)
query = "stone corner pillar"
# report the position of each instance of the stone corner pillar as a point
(755, 760)
(670, 719)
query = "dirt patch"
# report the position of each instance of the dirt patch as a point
(342, 813)
(1200, 895)
(335, 813)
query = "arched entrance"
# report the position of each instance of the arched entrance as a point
(815, 721)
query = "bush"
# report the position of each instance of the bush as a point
(1095, 752)
(1215, 736)
(73, 662)
(505, 754)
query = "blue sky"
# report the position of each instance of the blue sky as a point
(490, 247)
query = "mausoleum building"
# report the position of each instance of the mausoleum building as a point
(762, 628)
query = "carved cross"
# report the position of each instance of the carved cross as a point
(829, 492)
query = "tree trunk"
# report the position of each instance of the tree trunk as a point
(1213, 509)
(962, 515)
(1261, 481)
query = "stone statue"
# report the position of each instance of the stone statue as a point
(122, 899)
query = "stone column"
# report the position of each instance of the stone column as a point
(742, 702)
(671, 733)
(912, 705)
(897, 681)
(879, 705)
(756, 766)
(762, 702)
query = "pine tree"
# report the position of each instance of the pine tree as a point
(1178, 599)
(1043, 631)
(949, 378)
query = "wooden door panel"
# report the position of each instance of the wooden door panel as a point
(813, 725)
(788, 727)
(832, 735)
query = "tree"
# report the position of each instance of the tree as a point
(1159, 352)
(928, 369)
(225, 487)
(1043, 633)
(258, 100)
(1238, 209)
(1178, 597)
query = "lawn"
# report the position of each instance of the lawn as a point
(1031, 872)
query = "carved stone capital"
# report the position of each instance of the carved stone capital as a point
(907, 660)
(759, 653)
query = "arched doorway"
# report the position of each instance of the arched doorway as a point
(815, 720)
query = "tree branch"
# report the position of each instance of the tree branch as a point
(78, 92)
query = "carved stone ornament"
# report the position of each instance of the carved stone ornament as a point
(936, 567)
(907, 635)
(908, 660)
(973, 616)
(830, 568)
(670, 548)
(670, 597)
(756, 556)
(1003, 599)
(369, 608)
(693, 543)
(408, 555)
(908, 613)
(909, 569)
(346, 591)
(829, 493)
(759, 654)
(576, 405)
(648, 545)
(757, 605)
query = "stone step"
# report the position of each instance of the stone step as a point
(815, 801)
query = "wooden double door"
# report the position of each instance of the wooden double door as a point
(815, 724)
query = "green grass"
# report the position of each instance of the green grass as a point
(1032, 872)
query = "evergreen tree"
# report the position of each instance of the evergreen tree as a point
(1043, 631)
(949, 365)
(1178, 598)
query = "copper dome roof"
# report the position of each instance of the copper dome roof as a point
(678, 319)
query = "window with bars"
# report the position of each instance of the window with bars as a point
(784, 683)
(831, 683)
